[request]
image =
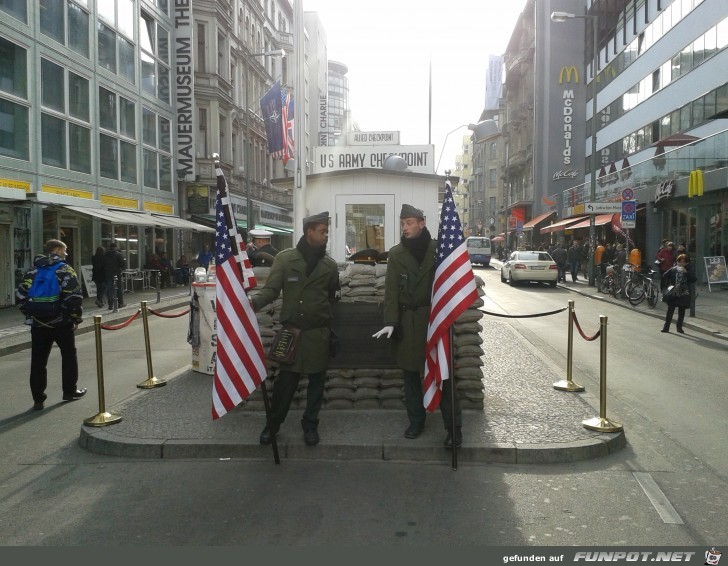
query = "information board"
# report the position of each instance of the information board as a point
(86, 271)
(715, 270)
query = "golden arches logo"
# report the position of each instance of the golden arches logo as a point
(567, 72)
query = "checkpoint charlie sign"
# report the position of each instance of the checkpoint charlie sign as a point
(419, 158)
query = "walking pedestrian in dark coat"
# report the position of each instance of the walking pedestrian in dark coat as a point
(679, 278)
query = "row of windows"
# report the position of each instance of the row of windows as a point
(691, 56)
(681, 119)
(108, 10)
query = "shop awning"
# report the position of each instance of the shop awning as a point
(562, 224)
(180, 223)
(113, 216)
(599, 220)
(276, 229)
(531, 224)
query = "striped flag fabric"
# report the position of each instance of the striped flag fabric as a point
(240, 365)
(453, 291)
(287, 107)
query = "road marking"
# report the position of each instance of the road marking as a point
(658, 499)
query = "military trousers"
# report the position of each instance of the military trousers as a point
(414, 401)
(284, 390)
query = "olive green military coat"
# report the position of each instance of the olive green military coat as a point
(307, 304)
(407, 293)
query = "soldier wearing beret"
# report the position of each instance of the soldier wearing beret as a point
(407, 292)
(309, 282)
(260, 250)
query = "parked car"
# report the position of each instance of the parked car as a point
(534, 266)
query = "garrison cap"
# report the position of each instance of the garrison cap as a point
(320, 218)
(260, 233)
(409, 211)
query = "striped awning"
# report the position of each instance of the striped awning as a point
(562, 224)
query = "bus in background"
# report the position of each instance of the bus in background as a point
(478, 250)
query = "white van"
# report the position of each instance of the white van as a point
(478, 250)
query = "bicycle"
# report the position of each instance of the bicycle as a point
(610, 282)
(642, 287)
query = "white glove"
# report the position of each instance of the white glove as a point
(387, 330)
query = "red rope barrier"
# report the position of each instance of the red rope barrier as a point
(123, 324)
(584, 336)
(173, 315)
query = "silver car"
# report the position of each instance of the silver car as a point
(537, 266)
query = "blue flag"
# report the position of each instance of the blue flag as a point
(271, 108)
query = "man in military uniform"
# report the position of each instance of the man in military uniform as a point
(309, 282)
(407, 292)
(260, 250)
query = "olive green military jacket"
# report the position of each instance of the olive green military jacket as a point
(308, 302)
(407, 293)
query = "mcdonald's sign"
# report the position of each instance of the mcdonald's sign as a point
(695, 184)
(567, 72)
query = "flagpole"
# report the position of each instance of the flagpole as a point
(451, 365)
(299, 122)
(236, 252)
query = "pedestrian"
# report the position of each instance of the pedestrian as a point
(309, 282)
(664, 261)
(586, 252)
(260, 250)
(599, 258)
(182, 271)
(407, 290)
(114, 264)
(573, 257)
(679, 277)
(98, 275)
(204, 257)
(58, 327)
(560, 258)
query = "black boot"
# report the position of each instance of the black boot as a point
(458, 438)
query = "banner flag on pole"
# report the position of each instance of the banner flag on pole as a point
(287, 123)
(453, 291)
(240, 366)
(271, 108)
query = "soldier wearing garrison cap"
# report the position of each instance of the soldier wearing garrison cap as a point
(407, 290)
(309, 282)
(260, 250)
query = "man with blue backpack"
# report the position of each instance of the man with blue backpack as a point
(50, 297)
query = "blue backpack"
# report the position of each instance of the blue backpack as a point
(44, 295)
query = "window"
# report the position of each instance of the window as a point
(126, 118)
(13, 130)
(493, 150)
(16, 8)
(149, 81)
(53, 140)
(107, 109)
(79, 148)
(150, 169)
(52, 86)
(78, 32)
(492, 178)
(78, 99)
(149, 124)
(108, 157)
(202, 133)
(127, 67)
(201, 48)
(13, 69)
(52, 19)
(107, 47)
(164, 134)
(128, 162)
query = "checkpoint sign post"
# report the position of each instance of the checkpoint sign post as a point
(629, 213)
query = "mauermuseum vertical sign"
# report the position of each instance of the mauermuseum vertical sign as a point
(184, 88)
(561, 99)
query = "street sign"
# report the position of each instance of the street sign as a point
(602, 207)
(628, 194)
(629, 213)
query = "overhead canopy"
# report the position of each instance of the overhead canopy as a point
(599, 220)
(276, 229)
(561, 225)
(531, 224)
(181, 223)
(113, 216)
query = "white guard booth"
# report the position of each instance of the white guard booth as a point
(204, 347)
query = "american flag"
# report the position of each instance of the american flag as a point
(453, 291)
(287, 106)
(240, 365)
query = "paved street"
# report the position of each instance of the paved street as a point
(614, 499)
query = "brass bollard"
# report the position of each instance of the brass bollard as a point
(151, 381)
(602, 423)
(567, 384)
(102, 418)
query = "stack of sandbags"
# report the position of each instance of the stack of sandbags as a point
(468, 353)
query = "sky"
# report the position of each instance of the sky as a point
(388, 46)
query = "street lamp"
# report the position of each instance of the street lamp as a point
(250, 216)
(560, 17)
